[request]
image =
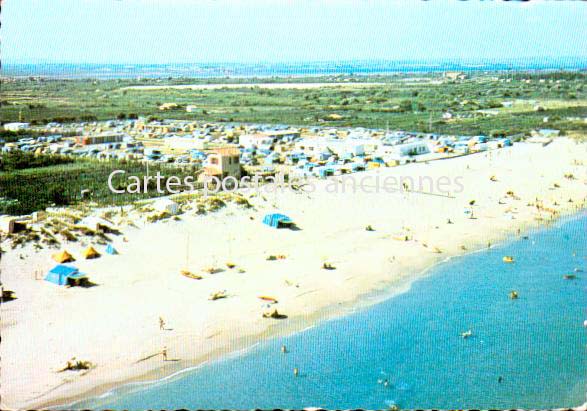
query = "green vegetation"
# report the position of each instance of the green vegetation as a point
(486, 103)
(26, 190)
(20, 160)
(400, 102)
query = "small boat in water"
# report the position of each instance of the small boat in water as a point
(508, 259)
(467, 334)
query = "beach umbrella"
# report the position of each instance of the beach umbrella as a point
(111, 250)
(63, 257)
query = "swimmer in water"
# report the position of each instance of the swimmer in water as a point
(284, 349)
(296, 372)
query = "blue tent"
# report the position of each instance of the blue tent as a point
(111, 250)
(506, 142)
(61, 274)
(277, 220)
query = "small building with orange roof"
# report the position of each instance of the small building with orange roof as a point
(223, 162)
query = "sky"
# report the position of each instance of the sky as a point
(249, 31)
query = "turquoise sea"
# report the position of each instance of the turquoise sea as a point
(286, 69)
(537, 344)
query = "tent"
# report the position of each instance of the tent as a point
(111, 250)
(90, 252)
(276, 220)
(166, 205)
(64, 275)
(63, 257)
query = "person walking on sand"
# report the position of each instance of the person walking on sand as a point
(161, 323)
(164, 353)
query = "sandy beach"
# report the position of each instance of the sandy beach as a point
(115, 324)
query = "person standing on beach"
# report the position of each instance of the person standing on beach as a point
(164, 353)
(161, 323)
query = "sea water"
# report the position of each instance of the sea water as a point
(408, 351)
(286, 69)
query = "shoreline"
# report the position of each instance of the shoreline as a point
(362, 302)
(420, 67)
(337, 233)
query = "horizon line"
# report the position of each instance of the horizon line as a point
(305, 61)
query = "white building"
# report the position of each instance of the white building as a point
(401, 151)
(186, 143)
(255, 140)
(286, 135)
(354, 147)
